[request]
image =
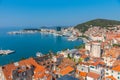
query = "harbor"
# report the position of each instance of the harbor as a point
(26, 45)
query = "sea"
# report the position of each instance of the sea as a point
(27, 45)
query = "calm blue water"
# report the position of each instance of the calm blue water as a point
(28, 44)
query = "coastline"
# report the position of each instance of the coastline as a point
(27, 45)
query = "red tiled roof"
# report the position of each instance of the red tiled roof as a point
(83, 74)
(117, 68)
(93, 75)
(7, 69)
(111, 77)
(66, 70)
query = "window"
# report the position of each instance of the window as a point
(91, 67)
(118, 78)
(107, 74)
(112, 71)
(82, 69)
(107, 69)
(118, 73)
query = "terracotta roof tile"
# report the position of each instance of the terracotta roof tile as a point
(117, 68)
(111, 77)
(7, 69)
(93, 75)
(66, 70)
(83, 74)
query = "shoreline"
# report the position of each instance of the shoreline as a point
(27, 51)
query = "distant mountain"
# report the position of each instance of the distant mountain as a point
(97, 22)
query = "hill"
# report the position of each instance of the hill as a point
(104, 23)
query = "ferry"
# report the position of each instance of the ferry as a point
(6, 52)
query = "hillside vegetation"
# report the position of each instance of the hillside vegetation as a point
(104, 23)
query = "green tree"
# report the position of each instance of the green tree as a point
(80, 60)
(80, 46)
(116, 45)
(69, 56)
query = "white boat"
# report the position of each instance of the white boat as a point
(15, 32)
(55, 34)
(72, 38)
(39, 54)
(5, 52)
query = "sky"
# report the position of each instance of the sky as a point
(56, 12)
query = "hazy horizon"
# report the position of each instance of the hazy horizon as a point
(56, 12)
